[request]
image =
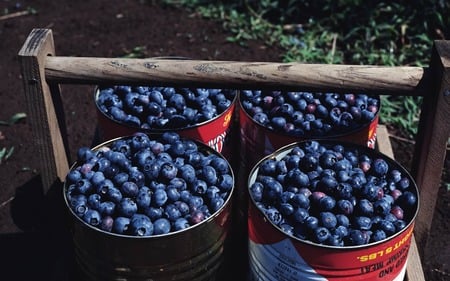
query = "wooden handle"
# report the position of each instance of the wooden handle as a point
(239, 75)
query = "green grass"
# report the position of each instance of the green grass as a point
(393, 33)
(6, 153)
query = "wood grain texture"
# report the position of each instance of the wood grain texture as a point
(414, 270)
(239, 75)
(40, 68)
(42, 113)
(431, 141)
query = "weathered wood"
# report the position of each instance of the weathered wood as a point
(42, 113)
(248, 75)
(414, 270)
(430, 150)
(39, 69)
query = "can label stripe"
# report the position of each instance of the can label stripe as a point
(284, 257)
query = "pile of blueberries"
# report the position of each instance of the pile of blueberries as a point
(334, 194)
(144, 186)
(147, 107)
(306, 114)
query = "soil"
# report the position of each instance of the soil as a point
(33, 241)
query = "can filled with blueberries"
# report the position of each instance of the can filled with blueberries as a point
(147, 207)
(199, 113)
(272, 119)
(329, 210)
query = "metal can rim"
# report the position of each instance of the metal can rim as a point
(157, 130)
(285, 149)
(158, 236)
(324, 137)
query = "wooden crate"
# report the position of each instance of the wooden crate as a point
(43, 72)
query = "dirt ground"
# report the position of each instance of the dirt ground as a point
(33, 242)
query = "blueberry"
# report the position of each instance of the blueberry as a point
(278, 123)
(84, 154)
(113, 194)
(78, 203)
(343, 220)
(199, 187)
(216, 203)
(84, 186)
(370, 191)
(187, 172)
(328, 159)
(268, 167)
(378, 235)
(300, 215)
(256, 191)
(344, 207)
(380, 167)
(327, 203)
(120, 178)
(407, 200)
(321, 234)
(173, 194)
(363, 223)
(121, 225)
(327, 184)
(154, 213)
(73, 176)
(209, 175)
(399, 225)
(397, 211)
(127, 207)
(180, 224)
(183, 207)
(387, 226)
(344, 190)
(159, 197)
(341, 231)
(300, 200)
(225, 182)
(140, 225)
(357, 237)
(94, 201)
(129, 189)
(143, 197)
(172, 212)
(328, 220)
(364, 207)
(107, 208)
(107, 223)
(168, 171)
(403, 184)
(334, 240)
(196, 217)
(297, 178)
(382, 207)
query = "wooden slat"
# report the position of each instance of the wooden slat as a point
(40, 67)
(414, 270)
(233, 74)
(42, 113)
(430, 150)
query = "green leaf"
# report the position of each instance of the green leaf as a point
(17, 117)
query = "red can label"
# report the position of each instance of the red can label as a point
(214, 133)
(258, 141)
(276, 256)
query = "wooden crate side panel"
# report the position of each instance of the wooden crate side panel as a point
(42, 113)
(431, 141)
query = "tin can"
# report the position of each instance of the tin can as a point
(275, 254)
(257, 140)
(192, 253)
(217, 132)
